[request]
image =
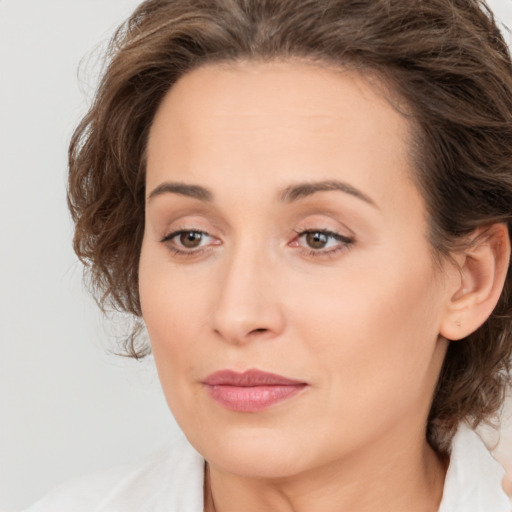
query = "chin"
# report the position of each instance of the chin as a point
(270, 463)
(254, 452)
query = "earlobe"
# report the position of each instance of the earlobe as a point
(482, 269)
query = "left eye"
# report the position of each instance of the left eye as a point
(321, 240)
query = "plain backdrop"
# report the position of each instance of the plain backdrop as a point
(67, 406)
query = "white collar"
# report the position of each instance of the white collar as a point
(474, 479)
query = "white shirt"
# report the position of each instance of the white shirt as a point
(172, 481)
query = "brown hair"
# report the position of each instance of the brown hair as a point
(446, 59)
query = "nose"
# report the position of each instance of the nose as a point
(247, 306)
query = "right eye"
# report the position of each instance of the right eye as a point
(187, 240)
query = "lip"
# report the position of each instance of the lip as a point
(252, 390)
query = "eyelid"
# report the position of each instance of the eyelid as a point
(180, 250)
(328, 232)
(345, 243)
(175, 232)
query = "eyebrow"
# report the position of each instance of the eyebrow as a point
(301, 190)
(183, 189)
(288, 195)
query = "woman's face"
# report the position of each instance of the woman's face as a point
(284, 234)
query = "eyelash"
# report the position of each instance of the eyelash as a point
(184, 252)
(345, 243)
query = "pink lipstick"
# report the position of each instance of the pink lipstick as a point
(250, 391)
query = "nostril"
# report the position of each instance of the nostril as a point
(259, 330)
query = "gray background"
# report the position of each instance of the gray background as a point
(67, 407)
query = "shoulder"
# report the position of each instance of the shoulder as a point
(474, 479)
(170, 479)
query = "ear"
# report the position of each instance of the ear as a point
(481, 275)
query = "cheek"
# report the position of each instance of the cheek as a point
(165, 295)
(172, 329)
(172, 316)
(376, 340)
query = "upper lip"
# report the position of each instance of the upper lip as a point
(248, 378)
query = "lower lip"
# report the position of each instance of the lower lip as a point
(252, 399)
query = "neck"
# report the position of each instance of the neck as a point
(403, 479)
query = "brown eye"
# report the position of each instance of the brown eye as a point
(190, 239)
(316, 239)
(189, 242)
(323, 242)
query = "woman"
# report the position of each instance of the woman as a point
(308, 206)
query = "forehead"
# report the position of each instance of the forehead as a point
(278, 119)
(316, 95)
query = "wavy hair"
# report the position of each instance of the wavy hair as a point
(446, 60)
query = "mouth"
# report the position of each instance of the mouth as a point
(251, 391)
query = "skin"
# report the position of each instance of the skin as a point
(359, 322)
